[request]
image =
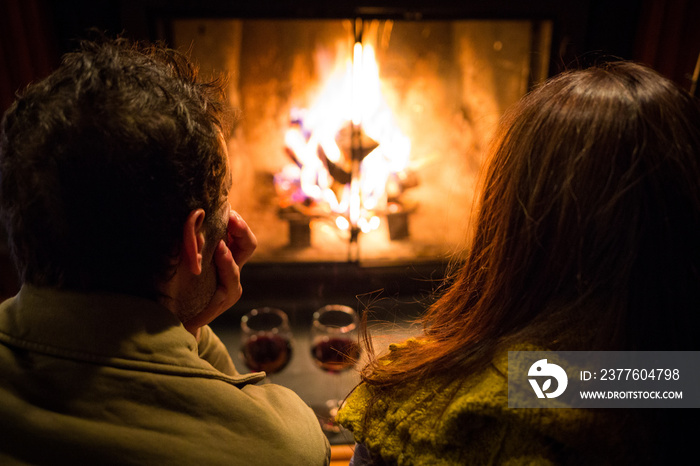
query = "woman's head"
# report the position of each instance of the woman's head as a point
(592, 196)
(587, 230)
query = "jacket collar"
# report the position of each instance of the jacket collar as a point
(97, 325)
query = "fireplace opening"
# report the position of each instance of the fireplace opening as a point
(362, 140)
(357, 158)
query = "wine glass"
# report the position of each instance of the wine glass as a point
(334, 349)
(267, 340)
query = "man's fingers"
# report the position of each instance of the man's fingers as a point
(228, 273)
(228, 290)
(241, 240)
(229, 257)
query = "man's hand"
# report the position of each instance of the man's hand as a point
(229, 257)
(240, 239)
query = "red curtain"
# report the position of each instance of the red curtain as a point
(669, 38)
(26, 46)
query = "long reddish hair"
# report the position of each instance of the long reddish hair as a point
(588, 230)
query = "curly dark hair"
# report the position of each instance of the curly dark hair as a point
(101, 162)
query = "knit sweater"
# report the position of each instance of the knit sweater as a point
(457, 419)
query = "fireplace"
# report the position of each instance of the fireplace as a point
(359, 149)
(357, 169)
(361, 140)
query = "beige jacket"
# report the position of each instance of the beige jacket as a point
(114, 379)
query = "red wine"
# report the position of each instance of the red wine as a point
(335, 354)
(269, 353)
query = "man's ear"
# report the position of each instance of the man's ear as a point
(193, 241)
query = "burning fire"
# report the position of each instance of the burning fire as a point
(349, 160)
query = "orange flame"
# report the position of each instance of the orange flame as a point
(351, 95)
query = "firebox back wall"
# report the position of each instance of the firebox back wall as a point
(446, 83)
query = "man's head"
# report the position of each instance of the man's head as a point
(102, 162)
